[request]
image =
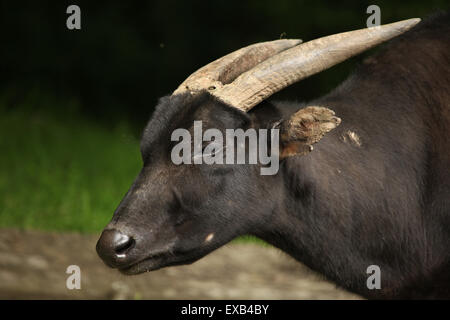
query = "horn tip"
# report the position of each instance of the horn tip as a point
(409, 23)
(413, 21)
(399, 27)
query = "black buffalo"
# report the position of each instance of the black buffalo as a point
(374, 191)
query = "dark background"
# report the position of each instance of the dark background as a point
(73, 104)
(130, 53)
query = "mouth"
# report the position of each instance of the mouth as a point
(150, 263)
(158, 261)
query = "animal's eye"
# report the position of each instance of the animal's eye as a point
(212, 149)
(209, 149)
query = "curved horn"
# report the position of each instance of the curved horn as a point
(302, 61)
(226, 69)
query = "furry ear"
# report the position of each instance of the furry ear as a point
(304, 128)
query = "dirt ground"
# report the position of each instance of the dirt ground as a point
(33, 266)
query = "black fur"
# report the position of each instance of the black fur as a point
(338, 209)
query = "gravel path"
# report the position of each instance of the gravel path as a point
(33, 266)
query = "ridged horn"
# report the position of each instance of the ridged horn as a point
(302, 61)
(224, 70)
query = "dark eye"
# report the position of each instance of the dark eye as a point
(213, 152)
(212, 148)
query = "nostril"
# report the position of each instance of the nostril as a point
(124, 244)
(114, 247)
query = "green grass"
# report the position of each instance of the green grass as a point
(61, 171)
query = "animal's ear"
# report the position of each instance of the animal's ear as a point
(304, 128)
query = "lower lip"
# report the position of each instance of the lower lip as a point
(146, 265)
(157, 262)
